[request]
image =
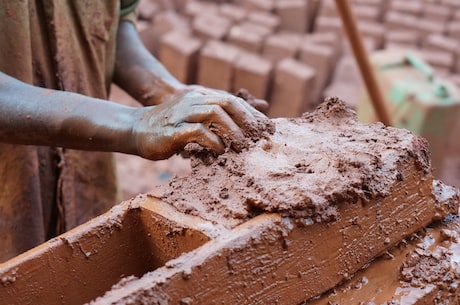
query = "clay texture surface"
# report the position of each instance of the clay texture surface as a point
(303, 170)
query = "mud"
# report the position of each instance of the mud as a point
(303, 170)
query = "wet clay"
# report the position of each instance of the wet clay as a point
(343, 194)
(303, 170)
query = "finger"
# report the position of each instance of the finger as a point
(235, 107)
(257, 106)
(260, 105)
(252, 122)
(219, 122)
(198, 133)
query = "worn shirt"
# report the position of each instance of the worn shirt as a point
(63, 45)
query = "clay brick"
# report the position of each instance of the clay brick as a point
(233, 12)
(179, 5)
(412, 7)
(369, 43)
(347, 82)
(367, 13)
(194, 8)
(325, 38)
(163, 23)
(206, 26)
(147, 10)
(373, 30)
(329, 24)
(377, 3)
(436, 12)
(403, 38)
(248, 36)
(294, 15)
(347, 71)
(443, 62)
(397, 21)
(216, 65)
(443, 43)
(456, 15)
(321, 58)
(293, 82)
(347, 91)
(327, 8)
(453, 29)
(252, 72)
(259, 5)
(279, 46)
(454, 4)
(267, 20)
(426, 27)
(179, 54)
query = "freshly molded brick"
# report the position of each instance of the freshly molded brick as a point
(207, 26)
(179, 54)
(293, 83)
(253, 73)
(216, 65)
(248, 36)
(283, 45)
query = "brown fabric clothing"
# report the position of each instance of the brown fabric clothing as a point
(63, 45)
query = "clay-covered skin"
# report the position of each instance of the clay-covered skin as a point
(307, 166)
(35, 116)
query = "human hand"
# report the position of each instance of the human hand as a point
(259, 104)
(215, 120)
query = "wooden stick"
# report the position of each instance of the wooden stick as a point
(354, 37)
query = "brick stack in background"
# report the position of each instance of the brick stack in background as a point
(293, 53)
(262, 33)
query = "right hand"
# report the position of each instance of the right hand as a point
(213, 120)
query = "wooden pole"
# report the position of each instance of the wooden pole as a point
(356, 42)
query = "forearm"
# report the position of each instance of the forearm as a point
(35, 116)
(138, 72)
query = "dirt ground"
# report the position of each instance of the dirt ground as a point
(138, 175)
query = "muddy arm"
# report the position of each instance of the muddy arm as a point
(138, 72)
(35, 116)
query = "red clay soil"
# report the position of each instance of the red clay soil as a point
(288, 173)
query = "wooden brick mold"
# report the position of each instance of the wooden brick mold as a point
(305, 217)
(419, 270)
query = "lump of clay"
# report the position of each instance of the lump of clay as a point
(303, 170)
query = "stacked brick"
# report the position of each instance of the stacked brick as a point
(264, 46)
(290, 52)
